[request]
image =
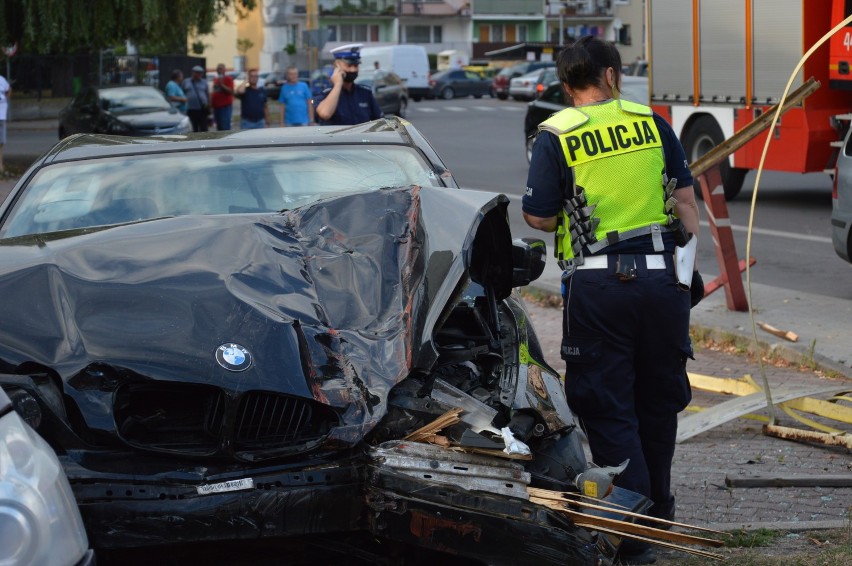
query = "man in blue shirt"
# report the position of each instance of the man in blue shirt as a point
(295, 97)
(346, 103)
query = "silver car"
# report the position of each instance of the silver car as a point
(841, 202)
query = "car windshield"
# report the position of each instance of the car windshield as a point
(133, 98)
(128, 189)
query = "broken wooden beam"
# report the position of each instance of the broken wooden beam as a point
(781, 480)
(788, 433)
(785, 334)
(568, 498)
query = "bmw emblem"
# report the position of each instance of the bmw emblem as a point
(233, 357)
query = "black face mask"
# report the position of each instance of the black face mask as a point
(350, 76)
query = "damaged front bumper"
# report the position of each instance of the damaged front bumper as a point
(415, 494)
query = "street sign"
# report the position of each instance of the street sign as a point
(10, 50)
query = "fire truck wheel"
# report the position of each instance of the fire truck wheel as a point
(702, 136)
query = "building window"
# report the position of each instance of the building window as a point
(624, 35)
(522, 32)
(354, 32)
(424, 34)
(497, 33)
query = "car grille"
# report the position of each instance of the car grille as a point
(201, 420)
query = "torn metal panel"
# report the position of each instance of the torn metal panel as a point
(468, 471)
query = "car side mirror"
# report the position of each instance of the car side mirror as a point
(528, 258)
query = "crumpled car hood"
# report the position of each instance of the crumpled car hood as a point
(334, 302)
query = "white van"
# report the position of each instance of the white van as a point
(410, 62)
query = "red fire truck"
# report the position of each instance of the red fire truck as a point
(716, 65)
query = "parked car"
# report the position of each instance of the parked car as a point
(501, 82)
(841, 203)
(531, 85)
(638, 68)
(123, 111)
(553, 99)
(454, 83)
(272, 82)
(39, 521)
(228, 335)
(389, 90)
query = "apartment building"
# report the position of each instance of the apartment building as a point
(282, 31)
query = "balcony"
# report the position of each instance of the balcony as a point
(434, 8)
(508, 7)
(579, 8)
(370, 8)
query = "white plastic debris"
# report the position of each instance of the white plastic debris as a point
(513, 445)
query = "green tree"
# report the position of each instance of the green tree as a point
(63, 27)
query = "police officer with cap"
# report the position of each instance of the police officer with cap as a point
(346, 103)
(610, 178)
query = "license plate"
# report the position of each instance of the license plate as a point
(233, 485)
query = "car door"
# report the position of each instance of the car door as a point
(476, 85)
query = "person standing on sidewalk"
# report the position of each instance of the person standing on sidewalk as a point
(254, 112)
(175, 93)
(197, 99)
(223, 98)
(295, 99)
(599, 177)
(5, 93)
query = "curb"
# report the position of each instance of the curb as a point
(793, 526)
(793, 354)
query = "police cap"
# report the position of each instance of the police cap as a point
(350, 53)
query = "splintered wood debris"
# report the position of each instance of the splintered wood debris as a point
(785, 334)
(563, 502)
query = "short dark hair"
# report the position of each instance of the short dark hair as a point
(582, 64)
(176, 73)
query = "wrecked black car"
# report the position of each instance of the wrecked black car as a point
(233, 337)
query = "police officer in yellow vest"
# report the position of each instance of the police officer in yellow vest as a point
(610, 178)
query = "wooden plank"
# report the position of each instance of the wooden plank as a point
(825, 409)
(788, 433)
(697, 423)
(725, 385)
(782, 480)
(625, 527)
(786, 335)
(557, 497)
(696, 551)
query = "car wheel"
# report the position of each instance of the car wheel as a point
(477, 96)
(702, 136)
(403, 105)
(448, 93)
(416, 98)
(502, 95)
